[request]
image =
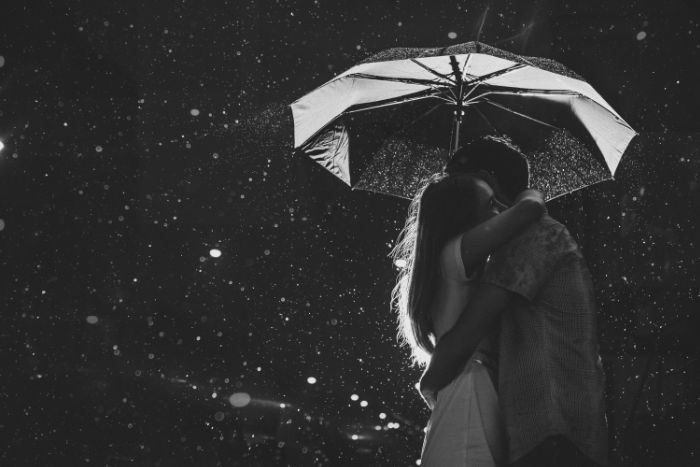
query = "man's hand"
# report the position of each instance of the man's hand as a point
(453, 350)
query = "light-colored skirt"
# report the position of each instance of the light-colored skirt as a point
(465, 428)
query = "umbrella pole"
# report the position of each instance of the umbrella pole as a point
(456, 123)
(459, 112)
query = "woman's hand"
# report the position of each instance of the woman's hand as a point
(529, 193)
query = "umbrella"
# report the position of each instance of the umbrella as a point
(386, 123)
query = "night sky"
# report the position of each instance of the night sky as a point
(176, 289)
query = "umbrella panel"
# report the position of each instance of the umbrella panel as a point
(537, 113)
(347, 146)
(392, 150)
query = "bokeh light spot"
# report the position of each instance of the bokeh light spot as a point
(239, 399)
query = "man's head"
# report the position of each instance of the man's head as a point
(497, 162)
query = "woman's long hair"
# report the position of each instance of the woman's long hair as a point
(444, 206)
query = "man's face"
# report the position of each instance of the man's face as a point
(487, 205)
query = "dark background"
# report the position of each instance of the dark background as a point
(138, 136)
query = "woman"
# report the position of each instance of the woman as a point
(453, 224)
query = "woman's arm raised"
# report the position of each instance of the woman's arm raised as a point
(481, 240)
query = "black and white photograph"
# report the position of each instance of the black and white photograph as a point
(261, 233)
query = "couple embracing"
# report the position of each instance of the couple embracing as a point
(497, 301)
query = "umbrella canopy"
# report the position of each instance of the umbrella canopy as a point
(386, 123)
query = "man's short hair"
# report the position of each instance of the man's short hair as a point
(498, 158)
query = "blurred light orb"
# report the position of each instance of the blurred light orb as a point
(311, 380)
(363, 404)
(2, 145)
(452, 35)
(354, 397)
(355, 437)
(215, 253)
(641, 35)
(382, 415)
(2, 225)
(194, 112)
(239, 399)
(400, 263)
(92, 319)
(218, 416)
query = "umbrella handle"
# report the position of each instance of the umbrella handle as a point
(456, 123)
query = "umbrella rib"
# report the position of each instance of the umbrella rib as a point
(505, 90)
(395, 101)
(502, 107)
(466, 64)
(426, 82)
(480, 79)
(447, 77)
(520, 91)
(560, 92)
(449, 101)
(471, 91)
(429, 111)
(488, 122)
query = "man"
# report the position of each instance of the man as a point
(537, 290)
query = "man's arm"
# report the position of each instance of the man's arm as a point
(455, 347)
